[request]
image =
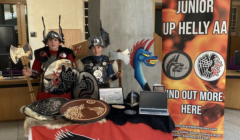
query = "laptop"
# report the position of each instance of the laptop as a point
(112, 96)
(153, 103)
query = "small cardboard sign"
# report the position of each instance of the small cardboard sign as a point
(78, 49)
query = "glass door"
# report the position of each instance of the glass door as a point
(13, 31)
(14, 15)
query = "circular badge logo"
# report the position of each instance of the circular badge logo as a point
(209, 66)
(177, 65)
(43, 54)
(97, 74)
(63, 55)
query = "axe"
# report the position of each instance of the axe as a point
(22, 53)
(124, 56)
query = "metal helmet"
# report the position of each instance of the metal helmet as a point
(95, 41)
(52, 34)
(132, 99)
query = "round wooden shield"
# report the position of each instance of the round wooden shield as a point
(59, 77)
(85, 86)
(85, 110)
(49, 106)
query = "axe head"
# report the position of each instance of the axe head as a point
(124, 56)
(17, 53)
(28, 51)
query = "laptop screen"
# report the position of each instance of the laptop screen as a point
(111, 95)
(150, 99)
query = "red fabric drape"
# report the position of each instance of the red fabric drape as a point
(104, 131)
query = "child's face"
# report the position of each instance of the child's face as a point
(53, 44)
(97, 50)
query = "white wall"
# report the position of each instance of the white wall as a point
(127, 22)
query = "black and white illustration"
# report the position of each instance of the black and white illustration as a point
(49, 106)
(45, 107)
(111, 95)
(67, 135)
(59, 77)
(177, 65)
(85, 86)
(67, 77)
(209, 66)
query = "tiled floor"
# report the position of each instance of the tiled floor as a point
(13, 130)
(232, 124)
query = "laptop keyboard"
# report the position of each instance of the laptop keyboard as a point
(154, 111)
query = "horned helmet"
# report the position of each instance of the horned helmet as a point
(103, 40)
(52, 34)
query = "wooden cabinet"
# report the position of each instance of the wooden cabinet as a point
(13, 95)
(234, 45)
(232, 90)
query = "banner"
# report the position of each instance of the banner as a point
(195, 38)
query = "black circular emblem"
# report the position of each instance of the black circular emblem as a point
(177, 65)
(209, 66)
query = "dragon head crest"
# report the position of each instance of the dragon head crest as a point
(142, 54)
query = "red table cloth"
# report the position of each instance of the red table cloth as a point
(97, 131)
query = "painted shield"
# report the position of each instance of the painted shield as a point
(59, 77)
(85, 86)
(49, 106)
(84, 110)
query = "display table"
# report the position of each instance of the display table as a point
(13, 95)
(100, 131)
(118, 126)
(232, 91)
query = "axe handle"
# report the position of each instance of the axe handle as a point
(119, 69)
(32, 95)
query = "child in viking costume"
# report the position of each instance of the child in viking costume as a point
(98, 64)
(45, 56)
